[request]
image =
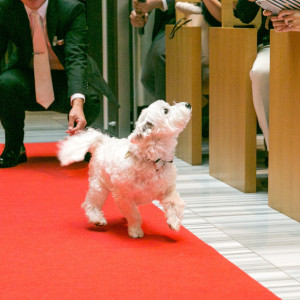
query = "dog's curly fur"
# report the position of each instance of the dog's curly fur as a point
(136, 170)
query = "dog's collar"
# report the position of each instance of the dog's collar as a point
(159, 163)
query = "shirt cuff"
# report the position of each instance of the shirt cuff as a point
(77, 95)
(165, 5)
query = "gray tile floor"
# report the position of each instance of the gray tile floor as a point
(242, 227)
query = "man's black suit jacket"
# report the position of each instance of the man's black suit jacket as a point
(66, 21)
(162, 18)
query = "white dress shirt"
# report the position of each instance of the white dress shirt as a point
(165, 5)
(54, 61)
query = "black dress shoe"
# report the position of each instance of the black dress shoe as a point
(12, 157)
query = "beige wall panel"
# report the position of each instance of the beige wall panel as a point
(232, 141)
(183, 83)
(284, 114)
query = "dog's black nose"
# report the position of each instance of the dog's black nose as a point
(188, 105)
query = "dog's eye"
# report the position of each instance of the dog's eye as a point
(166, 111)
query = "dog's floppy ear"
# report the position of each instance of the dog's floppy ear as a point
(141, 132)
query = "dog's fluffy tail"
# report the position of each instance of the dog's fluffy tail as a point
(74, 148)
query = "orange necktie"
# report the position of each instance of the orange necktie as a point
(42, 73)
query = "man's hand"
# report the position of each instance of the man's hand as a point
(77, 119)
(145, 7)
(138, 20)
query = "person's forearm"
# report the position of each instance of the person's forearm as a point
(78, 102)
(157, 4)
(161, 5)
(214, 7)
(149, 5)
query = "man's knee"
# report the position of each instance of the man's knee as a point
(147, 80)
(259, 74)
(10, 84)
(159, 54)
(154, 66)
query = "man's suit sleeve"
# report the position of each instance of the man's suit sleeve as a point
(171, 6)
(3, 36)
(76, 51)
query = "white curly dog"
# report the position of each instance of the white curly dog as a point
(136, 170)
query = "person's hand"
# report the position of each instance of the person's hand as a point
(145, 7)
(291, 18)
(267, 13)
(138, 20)
(287, 20)
(278, 23)
(77, 119)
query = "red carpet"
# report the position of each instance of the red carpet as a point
(49, 251)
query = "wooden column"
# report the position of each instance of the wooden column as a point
(183, 73)
(284, 122)
(232, 141)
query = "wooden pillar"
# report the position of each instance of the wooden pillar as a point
(232, 141)
(184, 83)
(284, 113)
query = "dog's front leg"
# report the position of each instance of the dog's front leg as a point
(94, 202)
(132, 215)
(173, 206)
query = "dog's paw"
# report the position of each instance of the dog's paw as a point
(135, 233)
(102, 223)
(174, 224)
(96, 217)
(174, 227)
